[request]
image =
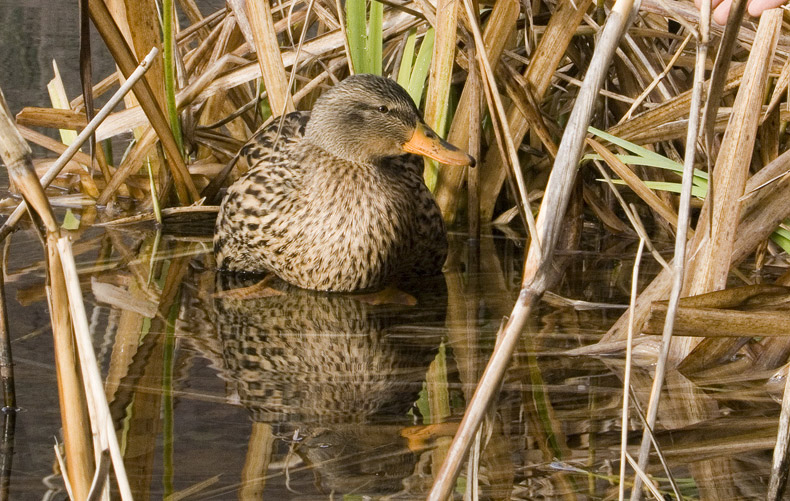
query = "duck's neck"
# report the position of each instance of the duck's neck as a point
(336, 143)
(330, 171)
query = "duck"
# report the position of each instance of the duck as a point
(334, 198)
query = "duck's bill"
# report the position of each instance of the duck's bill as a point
(427, 143)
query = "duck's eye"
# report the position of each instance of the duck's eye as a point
(383, 109)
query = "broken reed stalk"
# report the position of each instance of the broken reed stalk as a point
(627, 374)
(537, 269)
(539, 73)
(679, 263)
(76, 423)
(86, 133)
(91, 377)
(17, 157)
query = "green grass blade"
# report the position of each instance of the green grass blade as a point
(633, 148)
(783, 232)
(700, 178)
(356, 32)
(422, 66)
(264, 108)
(407, 59)
(697, 191)
(431, 172)
(375, 37)
(782, 239)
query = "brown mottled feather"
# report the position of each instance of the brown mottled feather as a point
(324, 222)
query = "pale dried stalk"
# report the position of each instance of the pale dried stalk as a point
(666, 122)
(717, 77)
(313, 48)
(504, 136)
(627, 375)
(239, 9)
(678, 265)
(16, 155)
(536, 273)
(732, 167)
(780, 89)
(563, 175)
(52, 145)
(667, 67)
(274, 77)
(94, 388)
(142, 20)
(185, 187)
(76, 432)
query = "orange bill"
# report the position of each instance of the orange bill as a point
(427, 143)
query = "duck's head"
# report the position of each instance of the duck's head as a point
(365, 118)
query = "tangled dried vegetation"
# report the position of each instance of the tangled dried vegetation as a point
(499, 78)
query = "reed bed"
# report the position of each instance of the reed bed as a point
(517, 84)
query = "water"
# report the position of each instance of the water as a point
(313, 393)
(302, 394)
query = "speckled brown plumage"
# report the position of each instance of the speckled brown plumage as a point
(334, 203)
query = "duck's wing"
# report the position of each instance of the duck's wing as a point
(271, 143)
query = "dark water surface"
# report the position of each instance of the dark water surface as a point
(299, 395)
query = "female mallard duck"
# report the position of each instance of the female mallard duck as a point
(337, 201)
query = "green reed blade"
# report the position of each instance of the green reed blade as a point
(700, 178)
(407, 59)
(356, 32)
(637, 150)
(374, 39)
(422, 66)
(697, 191)
(781, 237)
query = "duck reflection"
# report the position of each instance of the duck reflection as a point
(334, 375)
